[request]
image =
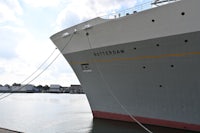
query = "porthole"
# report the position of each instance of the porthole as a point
(153, 20)
(183, 13)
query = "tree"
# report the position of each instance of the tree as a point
(46, 87)
(39, 86)
(15, 84)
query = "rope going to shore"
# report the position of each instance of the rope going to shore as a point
(36, 69)
(40, 67)
(112, 93)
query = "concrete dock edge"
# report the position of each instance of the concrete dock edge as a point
(4, 130)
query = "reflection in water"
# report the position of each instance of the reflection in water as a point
(61, 113)
(110, 126)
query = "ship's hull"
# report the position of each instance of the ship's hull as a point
(149, 70)
(158, 84)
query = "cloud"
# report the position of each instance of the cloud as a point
(22, 51)
(42, 3)
(9, 10)
(25, 53)
(14, 65)
(54, 75)
(2, 71)
(77, 11)
(10, 37)
(22, 48)
(30, 53)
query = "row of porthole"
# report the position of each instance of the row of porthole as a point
(186, 41)
(172, 66)
(144, 67)
(153, 20)
(182, 13)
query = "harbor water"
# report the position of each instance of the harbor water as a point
(61, 113)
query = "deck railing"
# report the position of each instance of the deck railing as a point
(137, 8)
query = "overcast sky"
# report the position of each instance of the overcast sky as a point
(25, 28)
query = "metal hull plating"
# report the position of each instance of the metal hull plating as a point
(152, 75)
(152, 81)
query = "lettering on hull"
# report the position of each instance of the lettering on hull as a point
(108, 52)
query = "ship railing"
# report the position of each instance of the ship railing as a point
(137, 8)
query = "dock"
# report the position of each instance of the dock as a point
(4, 130)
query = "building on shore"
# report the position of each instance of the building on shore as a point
(28, 88)
(5, 89)
(55, 89)
(23, 88)
(75, 89)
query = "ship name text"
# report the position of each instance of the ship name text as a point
(108, 52)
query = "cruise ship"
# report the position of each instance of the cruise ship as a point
(142, 67)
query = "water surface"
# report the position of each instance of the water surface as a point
(61, 113)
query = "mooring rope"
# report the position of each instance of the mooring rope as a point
(28, 77)
(3, 97)
(112, 93)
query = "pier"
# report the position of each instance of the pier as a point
(4, 130)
